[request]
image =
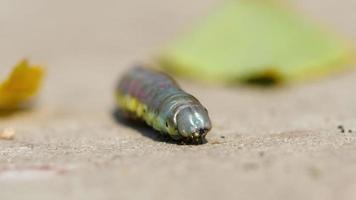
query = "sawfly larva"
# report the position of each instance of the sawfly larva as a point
(157, 99)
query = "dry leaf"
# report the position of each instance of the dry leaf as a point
(21, 86)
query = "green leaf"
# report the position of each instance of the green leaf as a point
(256, 42)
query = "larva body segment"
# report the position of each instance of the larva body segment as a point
(157, 99)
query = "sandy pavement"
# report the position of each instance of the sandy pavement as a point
(280, 143)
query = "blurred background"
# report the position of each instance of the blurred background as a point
(273, 144)
(94, 39)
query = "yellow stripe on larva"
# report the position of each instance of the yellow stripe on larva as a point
(140, 110)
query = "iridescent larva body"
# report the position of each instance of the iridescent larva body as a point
(157, 99)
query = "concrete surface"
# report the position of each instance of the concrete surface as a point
(281, 143)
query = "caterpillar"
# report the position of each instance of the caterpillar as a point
(158, 100)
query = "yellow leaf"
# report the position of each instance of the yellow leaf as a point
(21, 87)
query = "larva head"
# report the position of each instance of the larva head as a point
(193, 123)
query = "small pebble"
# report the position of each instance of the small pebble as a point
(214, 142)
(7, 134)
(341, 128)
